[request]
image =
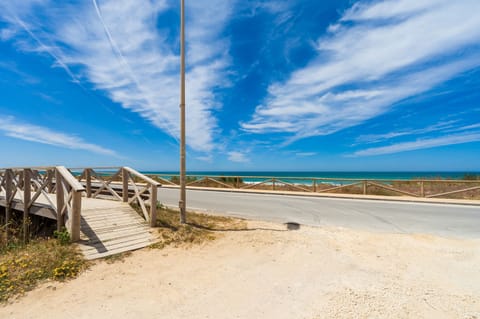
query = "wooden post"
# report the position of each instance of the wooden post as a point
(273, 183)
(88, 180)
(422, 188)
(27, 196)
(314, 185)
(76, 216)
(364, 187)
(153, 206)
(8, 199)
(125, 185)
(238, 182)
(50, 174)
(60, 200)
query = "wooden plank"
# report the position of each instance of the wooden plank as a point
(92, 256)
(108, 242)
(8, 195)
(129, 215)
(109, 224)
(114, 219)
(111, 227)
(90, 236)
(112, 231)
(125, 242)
(69, 179)
(76, 215)
(95, 230)
(60, 200)
(454, 192)
(144, 177)
(100, 251)
(99, 248)
(26, 200)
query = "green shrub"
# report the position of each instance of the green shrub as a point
(62, 236)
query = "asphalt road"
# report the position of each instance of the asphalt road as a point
(448, 220)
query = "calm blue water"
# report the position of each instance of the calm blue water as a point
(295, 177)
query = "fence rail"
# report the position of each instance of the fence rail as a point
(24, 188)
(58, 191)
(424, 188)
(122, 184)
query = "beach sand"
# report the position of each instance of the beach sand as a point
(271, 272)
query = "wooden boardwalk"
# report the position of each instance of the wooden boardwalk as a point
(111, 227)
(107, 227)
(95, 210)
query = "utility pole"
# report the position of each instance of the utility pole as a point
(183, 198)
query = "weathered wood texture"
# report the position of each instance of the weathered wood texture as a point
(111, 227)
(101, 227)
(123, 184)
(30, 190)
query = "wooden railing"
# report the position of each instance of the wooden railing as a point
(426, 188)
(51, 187)
(69, 201)
(122, 184)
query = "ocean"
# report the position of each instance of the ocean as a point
(301, 177)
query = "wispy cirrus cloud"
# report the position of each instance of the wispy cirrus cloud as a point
(39, 134)
(377, 138)
(119, 47)
(453, 139)
(377, 54)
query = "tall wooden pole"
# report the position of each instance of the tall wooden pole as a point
(183, 200)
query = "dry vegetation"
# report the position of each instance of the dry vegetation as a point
(200, 228)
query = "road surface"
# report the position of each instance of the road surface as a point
(448, 220)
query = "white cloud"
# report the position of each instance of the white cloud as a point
(376, 138)
(238, 157)
(464, 128)
(43, 135)
(119, 49)
(378, 54)
(421, 144)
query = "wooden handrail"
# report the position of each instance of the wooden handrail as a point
(131, 192)
(333, 179)
(142, 176)
(421, 187)
(38, 168)
(68, 177)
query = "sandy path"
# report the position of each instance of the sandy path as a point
(307, 273)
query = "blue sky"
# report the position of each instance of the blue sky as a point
(271, 85)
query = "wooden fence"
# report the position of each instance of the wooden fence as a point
(56, 193)
(46, 190)
(122, 184)
(423, 188)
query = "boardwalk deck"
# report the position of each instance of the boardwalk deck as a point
(111, 227)
(107, 227)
